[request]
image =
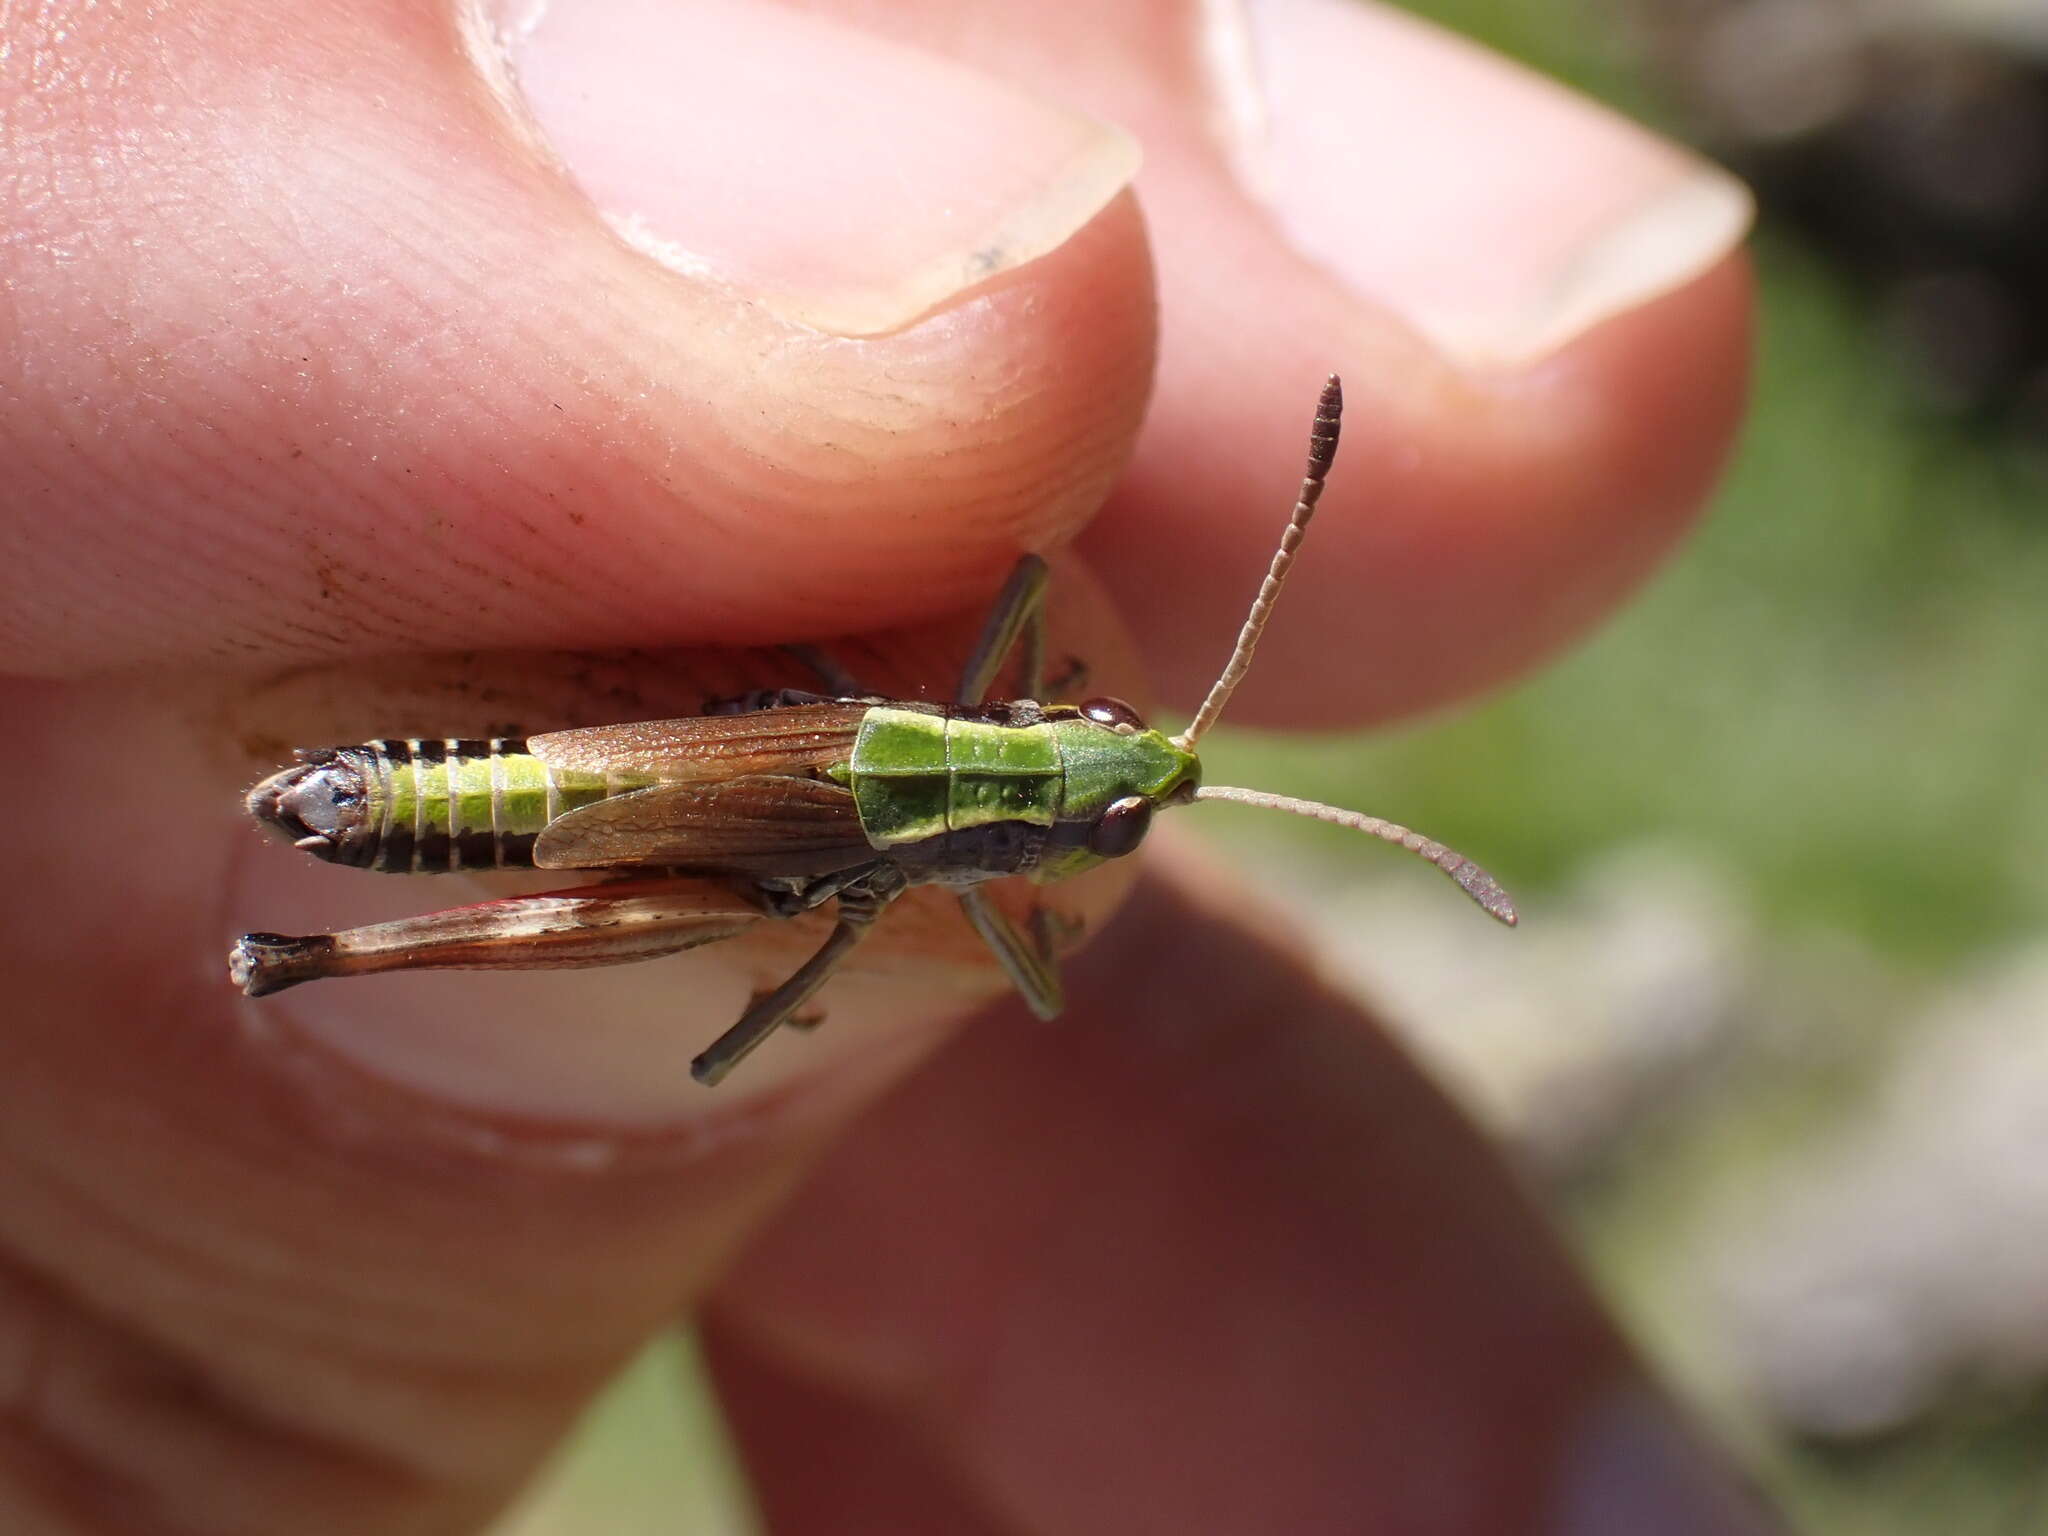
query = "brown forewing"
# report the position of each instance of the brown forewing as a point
(801, 740)
(756, 824)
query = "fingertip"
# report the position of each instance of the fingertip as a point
(1478, 517)
(1538, 309)
(454, 406)
(1490, 208)
(1472, 526)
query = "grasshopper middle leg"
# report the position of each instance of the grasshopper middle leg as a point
(1029, 956)
(859, 905)
(1018, 615)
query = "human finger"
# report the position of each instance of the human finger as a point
(1207, 1253)
(419, 353)
(351, 1257)
(1540, 311)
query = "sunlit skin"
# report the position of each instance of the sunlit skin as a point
(336, 409)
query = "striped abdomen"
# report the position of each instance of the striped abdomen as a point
(424, 806)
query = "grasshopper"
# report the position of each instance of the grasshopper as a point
(794, 799)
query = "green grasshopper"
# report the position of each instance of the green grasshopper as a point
(793, 798)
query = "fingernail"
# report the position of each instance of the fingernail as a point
(1496, 211)
(844, 182)
(1637, 1467)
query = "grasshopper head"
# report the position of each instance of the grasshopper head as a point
(1118, 771)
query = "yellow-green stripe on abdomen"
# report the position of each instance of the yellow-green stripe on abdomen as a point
(467, 803)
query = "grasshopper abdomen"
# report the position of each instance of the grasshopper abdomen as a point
(421, 806)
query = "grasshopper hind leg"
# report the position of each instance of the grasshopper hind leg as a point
(859, 905)
(607, 924)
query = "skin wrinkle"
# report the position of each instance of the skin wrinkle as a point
(203, 1267)
(989, 468)
(79, 1359)
(522, 558)
(237, 557)
(493, 1386)
(69, 1497)
(254, 565)
(844, 434)
(67, 1198)
(165, 1233)
(199, 457)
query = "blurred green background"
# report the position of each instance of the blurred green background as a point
(1780, 1045)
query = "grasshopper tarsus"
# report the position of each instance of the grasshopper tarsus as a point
(1071, 679)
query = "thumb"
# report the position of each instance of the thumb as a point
(356, 327)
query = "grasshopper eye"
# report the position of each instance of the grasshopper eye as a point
(1114, 713)
(1119, 830)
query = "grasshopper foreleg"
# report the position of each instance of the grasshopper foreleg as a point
(1029, 958)
(763, 698)
(859, 906)
(837, 680)
(596, 925)
(839, 685)
(1018, 614)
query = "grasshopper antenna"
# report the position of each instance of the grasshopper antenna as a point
(1472, 880)
(1322, 448)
